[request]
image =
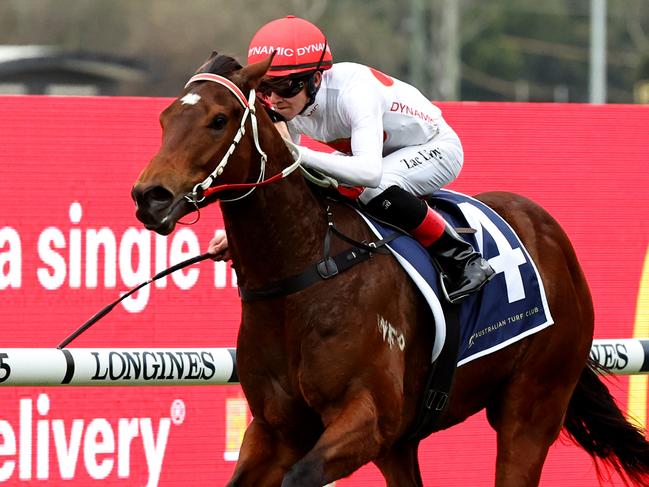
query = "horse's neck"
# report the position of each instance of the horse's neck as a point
(278, 230)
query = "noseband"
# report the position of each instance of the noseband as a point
(203, 189)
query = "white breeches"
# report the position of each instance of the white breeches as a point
(421, 169)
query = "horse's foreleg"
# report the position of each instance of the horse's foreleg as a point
(350, 439)
(400, 465)
(263, 460)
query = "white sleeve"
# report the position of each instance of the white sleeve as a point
(295, 136)
(362, 107)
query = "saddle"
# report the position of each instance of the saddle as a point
(512, 306)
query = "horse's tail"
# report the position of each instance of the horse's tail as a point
(596, 423)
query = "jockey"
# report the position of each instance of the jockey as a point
(393, 147)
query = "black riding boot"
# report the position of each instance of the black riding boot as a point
(464, 270)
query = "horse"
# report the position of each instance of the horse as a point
(326, 394)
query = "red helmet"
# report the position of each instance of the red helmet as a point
(299, 47)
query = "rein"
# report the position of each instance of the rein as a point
(204, 189)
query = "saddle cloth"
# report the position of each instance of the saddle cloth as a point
(510, 307)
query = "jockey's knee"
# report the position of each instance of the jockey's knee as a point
(397, 206)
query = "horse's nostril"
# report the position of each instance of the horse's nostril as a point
(154, 197)
(158, 196)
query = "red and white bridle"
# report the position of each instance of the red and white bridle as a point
(205, 186)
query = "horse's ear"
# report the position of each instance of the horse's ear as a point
(251, 75)
(207, 62)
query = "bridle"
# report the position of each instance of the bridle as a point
(204, 189)
(324, 269)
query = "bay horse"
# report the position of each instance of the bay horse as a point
(326, 394)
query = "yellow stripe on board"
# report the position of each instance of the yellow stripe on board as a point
(638, 383)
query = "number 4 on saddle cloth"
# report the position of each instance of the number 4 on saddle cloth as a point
(510, 307)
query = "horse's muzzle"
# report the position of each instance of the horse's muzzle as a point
(154, 207)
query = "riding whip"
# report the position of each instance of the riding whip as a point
(103, 312)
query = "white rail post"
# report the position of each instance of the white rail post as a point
(117, 367)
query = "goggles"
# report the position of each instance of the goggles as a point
(283, 87)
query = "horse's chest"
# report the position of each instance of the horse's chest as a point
(271, 390)
(276, 401)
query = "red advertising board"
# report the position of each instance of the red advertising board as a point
(69, 243)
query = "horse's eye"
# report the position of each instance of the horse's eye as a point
(219, 122)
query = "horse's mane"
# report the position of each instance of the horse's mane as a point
(220, 64)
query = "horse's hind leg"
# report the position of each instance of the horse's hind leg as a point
(400, 465)
(527, 423)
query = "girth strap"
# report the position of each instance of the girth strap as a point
(436, 394)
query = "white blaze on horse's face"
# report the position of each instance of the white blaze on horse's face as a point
(390, 334)
(190, 99)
